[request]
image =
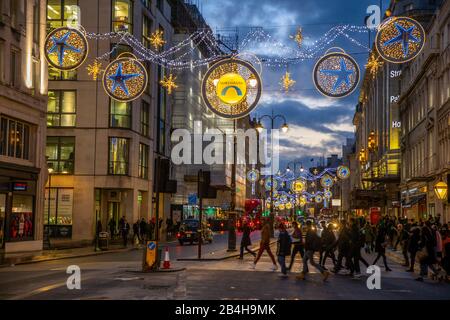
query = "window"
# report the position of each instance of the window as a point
(120, 114)
(60, 207)
(118, 156)
(146, 31)
(60, 154)
(2, 60)
(21, 221)
(61, 108)
(14, 77)
(160, 5)
(60, 11)
(147, 4)
(145, 118)
(122, 16)
(37, 24)
(143, 160)
(14, 138)
(55, 74)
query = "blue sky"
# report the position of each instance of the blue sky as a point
(318, 125)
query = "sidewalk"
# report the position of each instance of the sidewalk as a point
(11, 259)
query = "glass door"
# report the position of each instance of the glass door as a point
(2, 218)
(113, 217)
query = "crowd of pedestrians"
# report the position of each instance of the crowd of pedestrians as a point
(422, 243)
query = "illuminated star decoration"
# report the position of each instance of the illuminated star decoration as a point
(298, 37)
(404, 38)
(94, 69)
(287, 82)
(342, 74)
(373, 65)
(61, 46)
(157, 39)
(119, 79)
(169, 83)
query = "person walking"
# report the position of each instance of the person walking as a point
(403, 237)
(112, 228)
(312, 244)
(369, 237)
(427, 247)
(381, 242)
(297, 241)
(343, 245)
(246, 241)
(413, 247)
(136, 232)
(143, 229)
(125, 231)
(356, 243)
(283, 248)
(264, 245)
(329, 244)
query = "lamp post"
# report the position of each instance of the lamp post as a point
(294, 163)
(284, 129)
(47, 230)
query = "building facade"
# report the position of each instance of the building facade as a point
(396, 144)
(425, 92)
(101, 152)
(23, 88)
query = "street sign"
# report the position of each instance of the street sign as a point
(151, 253)
(192, 199)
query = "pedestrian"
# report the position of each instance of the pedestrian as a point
(142, 229)
(427, 256)
(112, 228)
(283, 248)
(312, 244)
(381, 242)
(369, 237)
(403, 237)
(413, 247)
(246, 241)
(125, 231)
(356, 243)
(169, 224)
(136, 234)
(297, 241)
(265, 245)
(328, 244)
(343, 245)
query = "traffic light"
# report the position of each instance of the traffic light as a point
(205, 190)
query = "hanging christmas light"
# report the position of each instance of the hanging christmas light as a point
(298, 37)
(287, 82)
(373, 65)
(94, 69)
(169, 83)
(157, 39)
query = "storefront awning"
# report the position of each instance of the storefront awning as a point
(413, 200)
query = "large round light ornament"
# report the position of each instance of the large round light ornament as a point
(125, 79)
(400, 39)
(268, 184)
(253, 175)
(66, 48)
(336, 74)
(319, 198)
(231, 88)
(282, 206)
(288, 206)
(328, 194)
(343, 172)
(298, 186)
(326, 181)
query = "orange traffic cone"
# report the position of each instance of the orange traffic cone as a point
(166, 264)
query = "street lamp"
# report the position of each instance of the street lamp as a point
(284, 128)
(441, 189)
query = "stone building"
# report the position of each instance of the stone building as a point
(23, 88)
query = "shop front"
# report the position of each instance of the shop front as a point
(18, 209)
(414, 204)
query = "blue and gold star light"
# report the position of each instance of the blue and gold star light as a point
(119, 79)
(404, 37)
(400, 39)
(336, 75)
(66, 48)
(125, 79)
(343, 75)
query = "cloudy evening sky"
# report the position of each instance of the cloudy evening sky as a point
(318, 125)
